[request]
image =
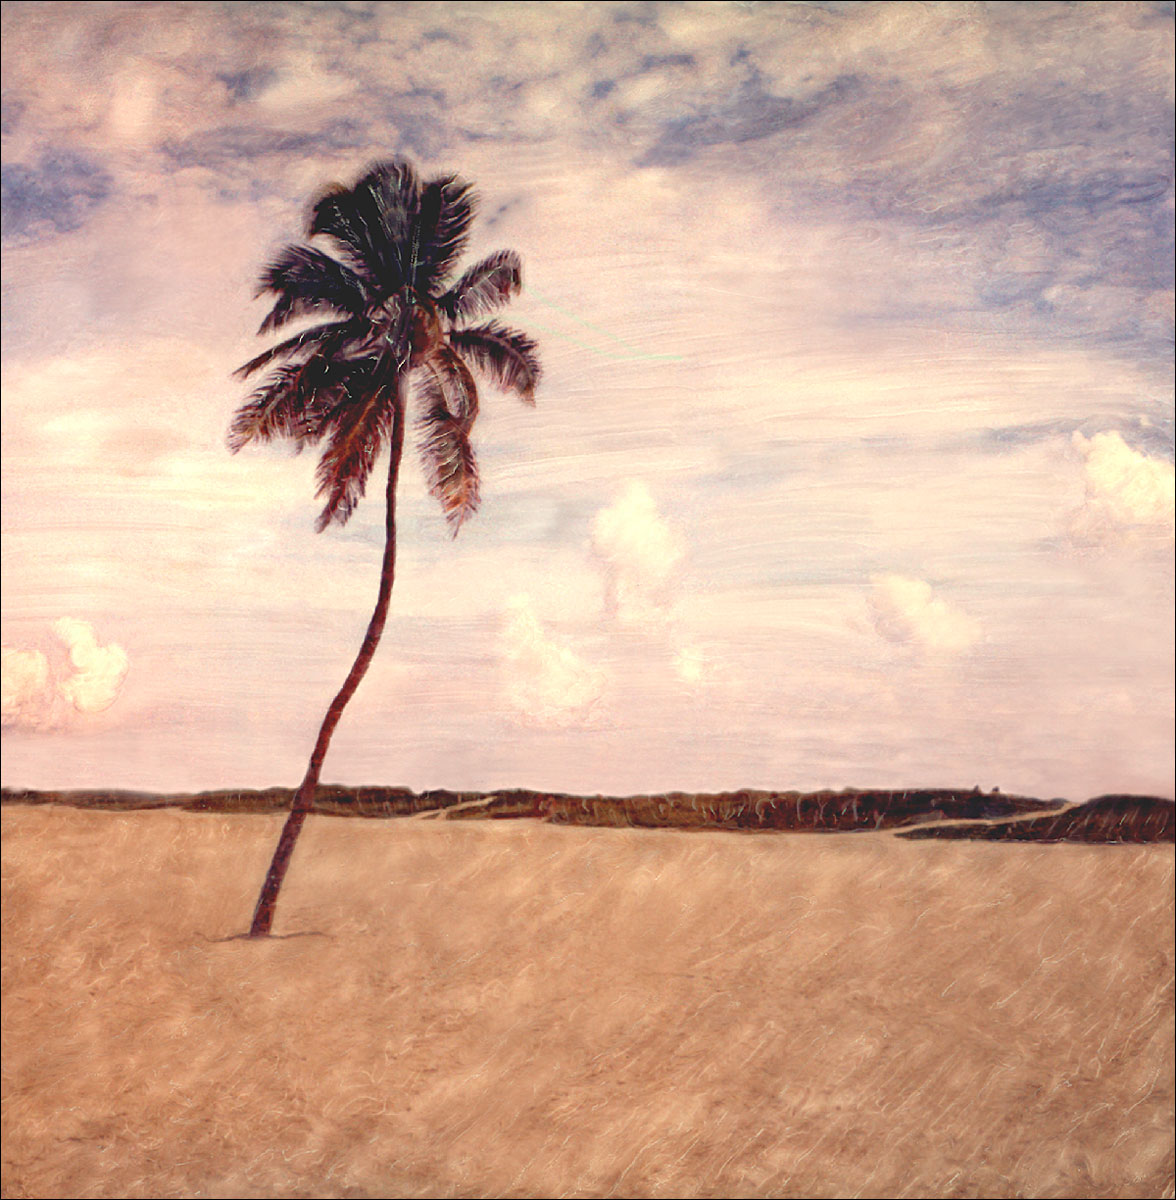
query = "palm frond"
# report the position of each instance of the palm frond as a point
(359, 429)
(306, 280)
(374, 220)
(289, 404)
(320, 338)
(450, 468)
(484, 287)
(445, 382)
(446, 213)
(505, 356)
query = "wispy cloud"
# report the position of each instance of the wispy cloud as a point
(751, 114)
(246, 143)
(547, 682)
(640, 553)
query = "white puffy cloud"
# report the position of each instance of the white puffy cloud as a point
(550, 684)
(906, 611)
(640, 553)
(27, 691)
(41, 691)
(546, 681)
(1124, 488)
(98, 672)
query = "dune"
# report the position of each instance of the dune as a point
(512, 1008)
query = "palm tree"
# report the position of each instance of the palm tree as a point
(393, 326)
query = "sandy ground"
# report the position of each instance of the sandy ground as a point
(519, 1010)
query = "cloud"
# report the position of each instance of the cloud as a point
(907, 612)
(27, 692)
(750, 115)
(1125, 489)
(216, 148)
(550, 684)
(57, 195)
(1041, 180)
(1051, 199)
(39, 693)
(246, 84)
(640, 554)
(99, 671)
(547, 682)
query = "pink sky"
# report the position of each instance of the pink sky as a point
(851, 465)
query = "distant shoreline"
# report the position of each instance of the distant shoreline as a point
(916, 812)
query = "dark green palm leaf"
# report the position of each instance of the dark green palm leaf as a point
(505, 356)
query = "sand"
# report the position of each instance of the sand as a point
(514, 1009)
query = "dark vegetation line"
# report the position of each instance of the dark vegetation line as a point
(920, 813)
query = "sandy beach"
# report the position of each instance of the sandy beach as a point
(513, 1009)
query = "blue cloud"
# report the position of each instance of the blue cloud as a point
(643, 13)
(246, 85)
(419, 117)
(11, 110)
(750, 115)
(235, 143)
(656, 62)
(1029, 433)
(57, 195)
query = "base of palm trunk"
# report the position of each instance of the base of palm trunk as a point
(267, 902)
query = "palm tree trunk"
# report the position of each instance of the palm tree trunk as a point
(263, 916)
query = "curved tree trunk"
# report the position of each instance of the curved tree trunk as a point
(263, 916)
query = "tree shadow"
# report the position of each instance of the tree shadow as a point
(267, 937)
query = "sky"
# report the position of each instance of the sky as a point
(852, 460)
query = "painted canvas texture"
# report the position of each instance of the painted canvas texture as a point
(848, 472)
